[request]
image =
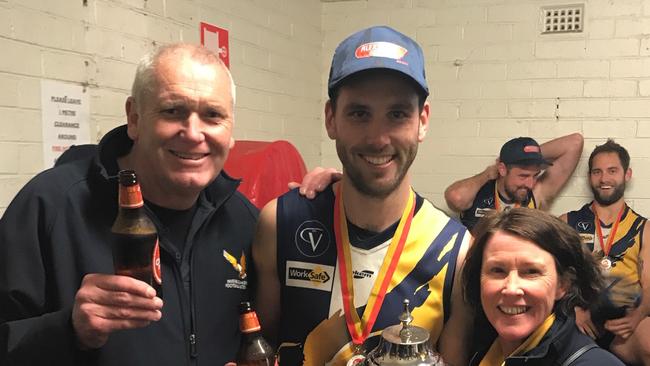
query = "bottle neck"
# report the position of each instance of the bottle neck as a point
(248, 323)
(130, 197)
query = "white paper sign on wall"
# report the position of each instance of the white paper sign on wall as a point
(65, 116)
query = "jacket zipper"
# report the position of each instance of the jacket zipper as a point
(193, 351)
(177, 270)
(193, 345)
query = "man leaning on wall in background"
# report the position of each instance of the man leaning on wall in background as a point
(619, 238)
(525, 174)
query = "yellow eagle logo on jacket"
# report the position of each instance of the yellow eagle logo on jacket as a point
(239, 267)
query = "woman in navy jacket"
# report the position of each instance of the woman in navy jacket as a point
(524, 275)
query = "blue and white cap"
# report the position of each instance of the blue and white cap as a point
(379, 47)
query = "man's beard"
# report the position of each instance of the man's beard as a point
(368, 188)
(616, 195)
(516, 198)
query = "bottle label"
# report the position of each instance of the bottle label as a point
(249, 322)
(131, 197)
(155, 264)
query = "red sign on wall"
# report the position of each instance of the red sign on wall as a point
(216, 39)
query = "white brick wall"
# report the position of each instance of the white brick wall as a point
(510, 80)
(275, 59)
(514, 81)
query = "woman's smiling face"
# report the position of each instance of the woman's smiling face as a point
(519, 286)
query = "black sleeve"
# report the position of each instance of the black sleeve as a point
(33, 331)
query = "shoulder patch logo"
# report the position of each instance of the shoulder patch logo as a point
(240, 266)
(488, 201)
(312, 239)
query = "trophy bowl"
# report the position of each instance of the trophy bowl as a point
(404, 344)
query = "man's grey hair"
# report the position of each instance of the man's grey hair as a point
(145, 73)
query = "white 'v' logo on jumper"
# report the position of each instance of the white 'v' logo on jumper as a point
(583, 225)
(313, 236)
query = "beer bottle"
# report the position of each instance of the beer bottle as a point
(135, 248)
(253, 350)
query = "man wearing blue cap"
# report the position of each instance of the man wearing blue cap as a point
(526, 174)
(335, 271)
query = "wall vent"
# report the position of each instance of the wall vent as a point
(563, 18)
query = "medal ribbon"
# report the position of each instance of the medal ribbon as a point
(496, 198)
(360, 328)
(612, 233)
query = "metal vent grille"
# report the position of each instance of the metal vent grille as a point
(563, 18)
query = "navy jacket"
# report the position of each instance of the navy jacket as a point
(559, 344)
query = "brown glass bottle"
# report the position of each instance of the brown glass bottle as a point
(254, 350)
(135, 245)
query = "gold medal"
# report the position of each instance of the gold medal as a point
(357, 359)
(358, 356)
(606, 264)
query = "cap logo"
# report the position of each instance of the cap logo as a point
(531, 149)
(381, 49)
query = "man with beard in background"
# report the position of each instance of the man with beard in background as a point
(616, 234)
(526, 174)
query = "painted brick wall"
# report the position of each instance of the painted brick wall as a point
(493, 76)
(275, 59)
